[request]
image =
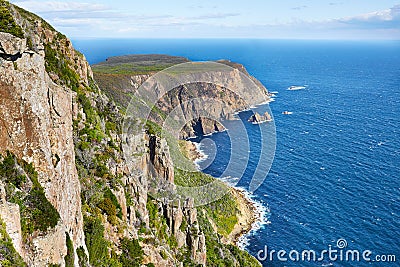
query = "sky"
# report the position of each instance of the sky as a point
(267, 19)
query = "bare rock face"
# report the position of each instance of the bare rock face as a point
(255, 118)
(49, 248)
(159, 159)
(9, 213)
(36, 125)
(191, 237)
(10, 45)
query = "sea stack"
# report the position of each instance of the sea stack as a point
(256, 118)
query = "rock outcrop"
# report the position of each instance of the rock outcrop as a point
(9, 213)
(256, 118)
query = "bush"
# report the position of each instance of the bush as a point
(9, 171)
(9, 257)
(96, 243)
(40, 214)
(37, 213)
(56, 62)
(82, 258)
(132, 253)
(109, 208)
(109, 194)
(87, 108)
(7, 23)
(69, 258)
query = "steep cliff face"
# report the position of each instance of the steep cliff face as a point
(120, 78)
(35, 125)
(68, 194)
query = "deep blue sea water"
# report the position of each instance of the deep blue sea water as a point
(336, 172)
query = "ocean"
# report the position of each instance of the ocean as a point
(336, 171)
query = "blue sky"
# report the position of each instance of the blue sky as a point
(282, 19)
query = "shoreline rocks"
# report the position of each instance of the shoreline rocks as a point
(256, 118)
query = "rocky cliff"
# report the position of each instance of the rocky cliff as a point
(121, 77)
(36, 123)
(69, 196)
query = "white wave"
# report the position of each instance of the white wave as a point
(262, 212)
(203, 155)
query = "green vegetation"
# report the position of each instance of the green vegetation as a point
(215, 247)
(57, 63)
(223, 211)
(82, 258)
(177, 156)
(9, 257)
(132, 253)
(7, 23)
(37, 213)
(33, 18)
(224, 214)
(244, 258)
(107, 206)
(137, 64)
(98, 247)
(153, 128)
(129, 68)
(69, 258)
(191, 179)
(92, 161)
(96, 243)
(159, 224)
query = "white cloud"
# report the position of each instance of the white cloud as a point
(385, 19)
(299, 7)
(82, 19)
(214, 16)
(384, 15)
(388, 19)
(57, 6)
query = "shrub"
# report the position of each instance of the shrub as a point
(40, 214)
(82, 258)
(69, 258)
(9, 171)
(7, 22)
(96, 243)
(9, 257)
(37, 213)
(109, 194)
(56, 62)
(109, 208)
(132, 253)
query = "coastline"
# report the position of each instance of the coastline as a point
(251, 213)
(249, 216)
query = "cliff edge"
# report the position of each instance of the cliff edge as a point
(120, 78)
(68, 194)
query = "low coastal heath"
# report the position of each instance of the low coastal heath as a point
(339, 253)
(252, 214)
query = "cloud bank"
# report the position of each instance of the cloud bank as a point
(79, 19)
